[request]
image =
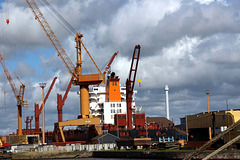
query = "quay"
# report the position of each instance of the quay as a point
(164, 155)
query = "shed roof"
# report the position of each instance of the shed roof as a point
(159, 120)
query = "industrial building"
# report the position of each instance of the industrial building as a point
(198, 125)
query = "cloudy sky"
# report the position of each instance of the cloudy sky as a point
(190, 45)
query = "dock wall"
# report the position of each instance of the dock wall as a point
(68, 148)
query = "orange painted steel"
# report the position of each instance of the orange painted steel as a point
(210, 130)
(52, 37)
(113, 93)
(84, 94)
(75, 71)
(43, 117)
(58, 127)
(19, 96)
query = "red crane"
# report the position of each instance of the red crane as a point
(110, 62)
(60, 100)
(130, 84)
(38, 111)
(28, 121)
(19, 96)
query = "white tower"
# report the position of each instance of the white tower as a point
(167, 102)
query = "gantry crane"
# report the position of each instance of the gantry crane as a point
(130, 84)
(18, 95)
(76, 71)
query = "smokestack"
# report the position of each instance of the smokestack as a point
(167, 102)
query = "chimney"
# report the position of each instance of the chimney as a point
(167, 102)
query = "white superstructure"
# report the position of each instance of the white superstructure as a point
(106, 110)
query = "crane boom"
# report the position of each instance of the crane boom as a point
(133, 71)
(19, 97)
(110, 62)
(9, 77)
(76, 71)
(130, 84)
(52, 37)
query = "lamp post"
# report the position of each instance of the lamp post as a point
(208, 92)
(42, 85)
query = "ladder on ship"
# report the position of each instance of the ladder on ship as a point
(210, 142)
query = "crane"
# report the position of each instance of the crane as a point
(109, 64)
(18, 95)
(39, 110)
(76, 71)
(61, 100)
(83, 80)
(130, 84)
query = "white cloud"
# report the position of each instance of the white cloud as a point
(189, 45)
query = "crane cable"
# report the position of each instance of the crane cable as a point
(66, 25)
(54, 16)
(70, 28)
(60, 17)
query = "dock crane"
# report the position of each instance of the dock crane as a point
(39, 110)
(75, 71)
(61, 100)
(130, 84)
(110, 62)
(18, 95)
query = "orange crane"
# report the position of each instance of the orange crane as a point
(83, 80)
(19, 96)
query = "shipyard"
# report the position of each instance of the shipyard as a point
(119, 79)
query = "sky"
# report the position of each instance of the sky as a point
(189, 45)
